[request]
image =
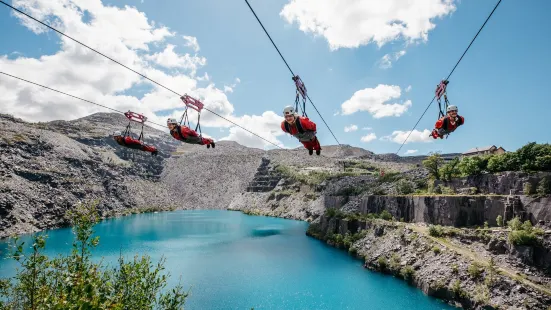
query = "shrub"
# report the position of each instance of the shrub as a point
(436, 250)
(433, 164)
(407, 273)
(435, 230)
(475, 270)
(515, 224)
(44, 283)
(458, 291)
(382, 263)
(394, 262)
(522, 237)
(404, 187)
(450, 170)
(527, 188)
(544, 187)
(385, 215)
(499, 221)
(472, 165)
(486, 226)
(455, 269)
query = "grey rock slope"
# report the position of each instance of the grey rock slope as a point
(46, 168)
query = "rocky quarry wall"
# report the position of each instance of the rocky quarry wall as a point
(456, 211)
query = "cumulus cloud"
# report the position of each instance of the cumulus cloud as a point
(367, 128)
(191, 42)
(416, 136)
(170, 59)
(266, 125)
(408, 152)
(349, 24)
(368, 138)
(373, 100)
(350, 128)
(126, 35)
(408, 89)
(386, 61)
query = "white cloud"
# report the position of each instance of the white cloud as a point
(267, 125)
(237, 80)
(191, 42)
(350, 128)
(367, 128)
(408, 152)
(205, 77)
(399, 136)
(386, 61)
(368, 138)
(228, 89)
(373, 101)
(127, 35)
(408, 89)
(170, 59)
(349, 24)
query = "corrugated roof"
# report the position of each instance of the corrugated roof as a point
(479, 149)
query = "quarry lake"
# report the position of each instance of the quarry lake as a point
(234, 261)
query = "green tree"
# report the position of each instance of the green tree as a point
(75, 281)
(474, 165)
(433, 164)
(404, 187)
(450, 170)
(544, 187)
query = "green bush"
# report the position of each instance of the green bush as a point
(515, 223)
(450, 170)
(385, 215)
(522, 237)
(433, 163)
(499, 220)
(407, 273)
(436, 250)
(544, 187)
(382, 263)
(475, 270)
(527, 188)
(404, 187)
(455, 269)
(75, 281)
(473, 165)
(436, 230)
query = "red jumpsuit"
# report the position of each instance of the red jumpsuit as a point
(308, 137)
(185, 134)
(445, 126)
(135, 144)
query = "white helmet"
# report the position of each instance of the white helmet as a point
(289, 110)
(117, 133)
(451, 108)
(171, 121)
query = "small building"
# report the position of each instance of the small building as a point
(488, 150)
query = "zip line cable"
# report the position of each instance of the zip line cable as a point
(465, 52)
(285, 61)
(140, 74)
(66, 94)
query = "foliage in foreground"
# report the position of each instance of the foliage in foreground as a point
(75, 282)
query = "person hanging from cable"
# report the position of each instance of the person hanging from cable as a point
(448, 123)
(301, 127)
(181, 131)
(126, 139)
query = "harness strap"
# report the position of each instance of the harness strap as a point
(298, 124)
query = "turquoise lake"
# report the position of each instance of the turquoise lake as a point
(234, 261)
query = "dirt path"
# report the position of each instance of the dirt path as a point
(473, 256)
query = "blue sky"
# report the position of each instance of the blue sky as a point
(498, 87)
